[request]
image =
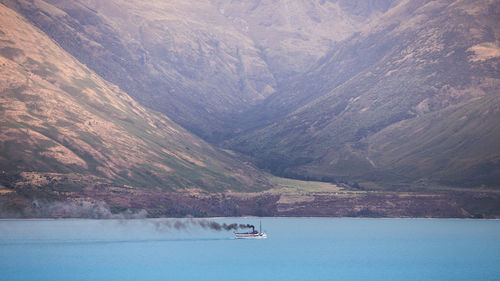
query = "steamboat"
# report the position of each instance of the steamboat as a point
(254, 234)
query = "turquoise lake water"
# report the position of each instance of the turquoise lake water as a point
(297, 249)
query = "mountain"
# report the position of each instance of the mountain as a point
(201, 64)
(410, 99)
(327, 90)
(110, 104)
(63, 128)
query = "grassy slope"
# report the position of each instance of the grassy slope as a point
(59, 117)
(426, 62)
(465, 137)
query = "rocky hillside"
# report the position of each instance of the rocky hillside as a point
(413, 98)
(64, 127)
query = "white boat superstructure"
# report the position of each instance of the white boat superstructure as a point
(250, 235)
(254, 234)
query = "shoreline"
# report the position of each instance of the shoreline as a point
(138, 203)
(246, 217)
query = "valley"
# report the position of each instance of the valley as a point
(377, 108)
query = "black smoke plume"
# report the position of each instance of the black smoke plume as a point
(182, 224)
(100, 210)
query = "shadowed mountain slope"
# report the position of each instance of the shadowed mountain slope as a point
(62, 125)
(421, 61)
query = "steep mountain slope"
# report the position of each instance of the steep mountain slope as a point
(420, 59)
(61, 125)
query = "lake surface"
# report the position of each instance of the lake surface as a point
(297, 249)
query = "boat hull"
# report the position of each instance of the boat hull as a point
(250, 236)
